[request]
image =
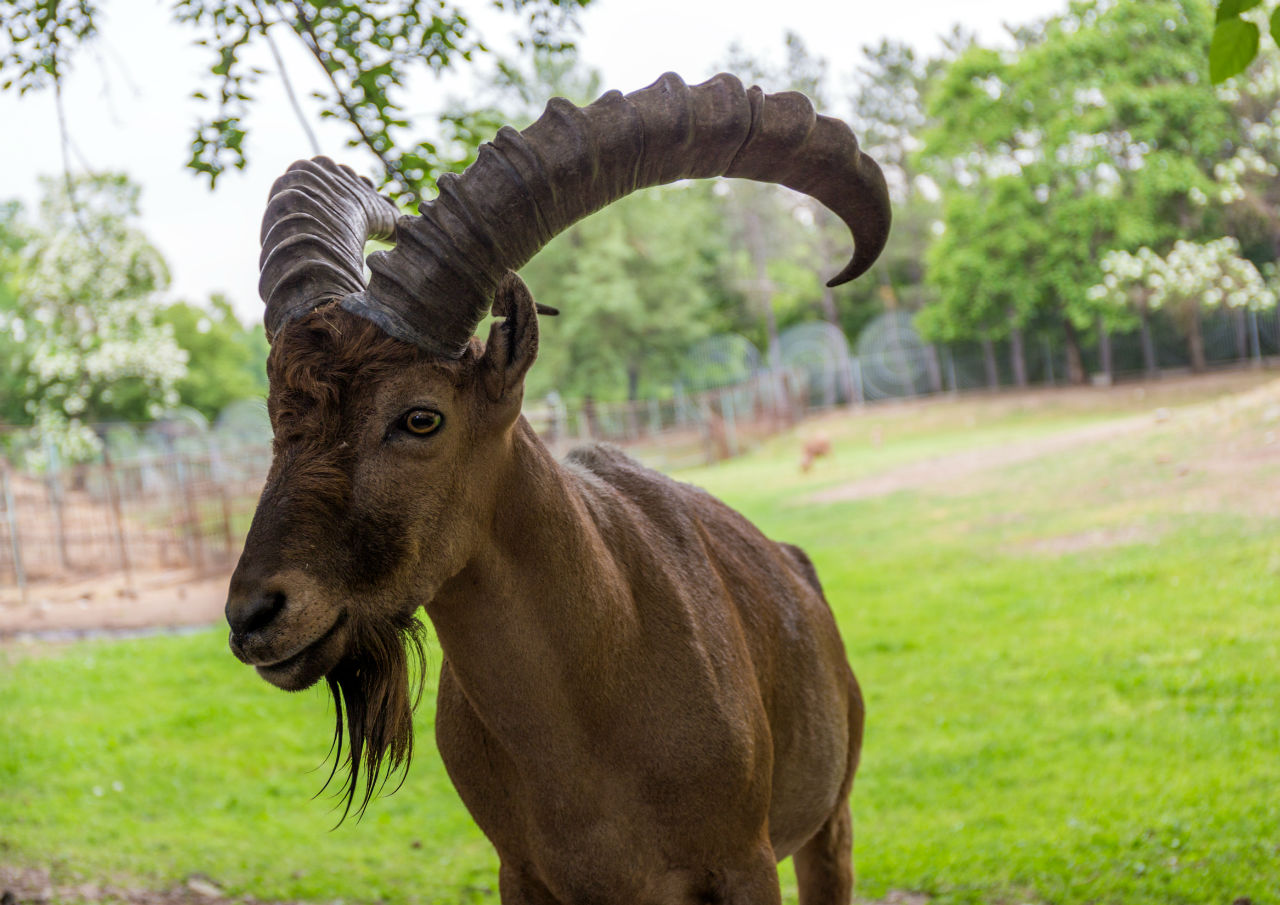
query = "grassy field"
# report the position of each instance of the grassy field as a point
(1062, 608)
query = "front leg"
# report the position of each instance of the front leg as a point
(518, 887)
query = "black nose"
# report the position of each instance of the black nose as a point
(254, 612)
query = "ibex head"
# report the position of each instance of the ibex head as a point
(393, 425)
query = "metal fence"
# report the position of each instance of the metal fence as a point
(180, 493)
(174, 494)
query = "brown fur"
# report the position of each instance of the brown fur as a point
(316, 365)
(642, 698)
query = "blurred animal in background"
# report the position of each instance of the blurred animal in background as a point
(815, 448)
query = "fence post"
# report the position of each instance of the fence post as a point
(192, 515)
(227, 534)
(117, 517)
(15, 543)
(1149, 360)
(730, 423)
(53, 470)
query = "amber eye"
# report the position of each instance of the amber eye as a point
(422, 422)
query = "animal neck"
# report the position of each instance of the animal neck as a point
(540, 603)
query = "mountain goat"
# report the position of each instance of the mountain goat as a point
(642, 699)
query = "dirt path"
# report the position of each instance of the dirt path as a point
(948, 470)
(29, 886)
(110, 604)
(34, 887)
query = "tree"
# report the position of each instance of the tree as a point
(1061, 163)
(95, 349)
(637, 284)
(1236, 39)
(770, 227)
(1191, 278)
(365, 49)
(13, 356)
(226, 361)
(889, 116)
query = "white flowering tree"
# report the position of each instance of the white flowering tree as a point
(1089, 134)
(86, 315)
(1191, 278)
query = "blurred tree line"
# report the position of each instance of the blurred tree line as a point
(1015, 171)
(86, 335)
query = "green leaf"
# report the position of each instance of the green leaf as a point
(1235, 44)
(1275, 25)
(1231, 9)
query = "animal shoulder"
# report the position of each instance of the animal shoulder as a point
(673, 507)
(605, 465)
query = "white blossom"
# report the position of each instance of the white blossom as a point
(90, 300)
(1207, 275)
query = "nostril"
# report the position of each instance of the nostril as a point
(254, 613)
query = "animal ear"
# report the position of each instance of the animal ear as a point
(513, 341)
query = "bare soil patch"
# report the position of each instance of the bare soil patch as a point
(940, 472)
(30, 886)
(1217, 455)
(112, 603)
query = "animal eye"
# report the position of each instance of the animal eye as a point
(422, 422)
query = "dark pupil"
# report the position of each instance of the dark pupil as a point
(422, 421)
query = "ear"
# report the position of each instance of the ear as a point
(513, 341)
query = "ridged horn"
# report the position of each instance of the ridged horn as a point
(438, 283)
(319, 216)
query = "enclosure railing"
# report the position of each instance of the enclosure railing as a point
(180, 495)
(182, 509)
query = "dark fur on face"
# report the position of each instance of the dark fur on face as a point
(319, 368)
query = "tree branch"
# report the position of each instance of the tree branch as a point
(284, 78)
(313, 45)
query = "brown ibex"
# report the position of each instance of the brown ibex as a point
(641, 698)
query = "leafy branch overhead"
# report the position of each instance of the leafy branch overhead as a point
(366, 50)
(1236, 39)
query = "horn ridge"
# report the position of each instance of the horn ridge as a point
(319, 216)
(527, 187)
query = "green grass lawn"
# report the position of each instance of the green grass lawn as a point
(1072, 670)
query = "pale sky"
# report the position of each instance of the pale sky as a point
(128, 105)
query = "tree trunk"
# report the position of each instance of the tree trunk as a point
(1195, 342)
(1075, 359)
(934, 367)
(1104, 352)
(830, 258)
(989, 362)
(762, 290)
(1017, 357)
(1148, 345)
(829, 312)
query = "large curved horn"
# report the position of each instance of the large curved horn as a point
(319, 216)
(437, 284)
(526, 187)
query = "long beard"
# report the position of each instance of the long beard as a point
(374, 694)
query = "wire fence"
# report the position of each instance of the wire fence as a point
(179, 494)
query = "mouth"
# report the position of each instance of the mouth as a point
(305, 667)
